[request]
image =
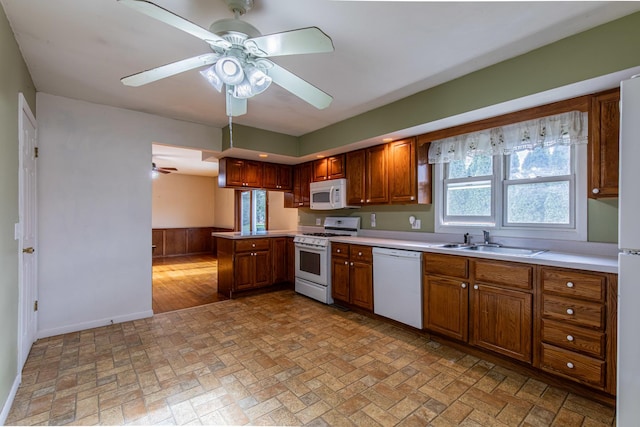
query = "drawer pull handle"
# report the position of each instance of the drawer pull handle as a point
(569, 365)
(569, 338)
(570, 311)
(253, 245)
(569, 284)
(463, 285)
(338, 250)
(359, 253)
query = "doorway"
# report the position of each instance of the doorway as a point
(184, 265)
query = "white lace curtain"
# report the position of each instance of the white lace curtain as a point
(562, 129)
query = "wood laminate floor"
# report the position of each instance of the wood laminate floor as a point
(278, 359)
(184, 281)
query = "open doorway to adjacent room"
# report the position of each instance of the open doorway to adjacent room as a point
(184, 263)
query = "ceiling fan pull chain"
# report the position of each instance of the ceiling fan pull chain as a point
(230, 131)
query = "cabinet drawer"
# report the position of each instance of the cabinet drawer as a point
(507, 274)
(446, 265)
(361, 253)
(573, 284)
(340, 250)
(574, 338)
(244, 245)
(581, 313)
(573, 365)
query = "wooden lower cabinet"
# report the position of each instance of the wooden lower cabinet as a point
(247, 264)
(502, 321)
(445, 302)
(183, 241)
(352, 275)
(560, 321)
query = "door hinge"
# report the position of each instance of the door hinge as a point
(35, 305)
(35, 152)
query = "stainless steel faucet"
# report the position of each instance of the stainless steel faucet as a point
(467, 238)
(486, 237)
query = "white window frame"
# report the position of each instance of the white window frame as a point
(576, 231)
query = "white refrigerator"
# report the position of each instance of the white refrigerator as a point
(628, 381)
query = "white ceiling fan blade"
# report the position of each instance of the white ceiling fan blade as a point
(163, 15)
(235, 106)
(299, 87)
(294, 42)
(168, 70)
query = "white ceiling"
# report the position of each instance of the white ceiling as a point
(384, 51)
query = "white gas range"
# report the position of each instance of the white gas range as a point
(313, 257)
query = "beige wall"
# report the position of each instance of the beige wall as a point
(183, 201)
(14, 78)
(281, 218)
(223, 208)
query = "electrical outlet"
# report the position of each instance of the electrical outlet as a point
(416, 224)
(318, 221)
(373, 220)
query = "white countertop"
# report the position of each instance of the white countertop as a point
(604, 264)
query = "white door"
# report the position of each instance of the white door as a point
(27, 232)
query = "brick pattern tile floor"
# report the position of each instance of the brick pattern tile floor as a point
(278, 359)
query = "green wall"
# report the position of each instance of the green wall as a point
(602, 50)
(14, 78)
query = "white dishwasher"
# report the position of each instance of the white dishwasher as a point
(397, 285)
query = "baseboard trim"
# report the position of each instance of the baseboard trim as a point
(9, 402)
(45, 333)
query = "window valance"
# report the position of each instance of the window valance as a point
(562, 129)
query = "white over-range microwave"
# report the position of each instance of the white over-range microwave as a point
(330, 194)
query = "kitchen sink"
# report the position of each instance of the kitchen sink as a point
(504, 250)
(454, 245)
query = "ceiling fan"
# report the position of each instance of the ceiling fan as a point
(156, 169)
(238, 60)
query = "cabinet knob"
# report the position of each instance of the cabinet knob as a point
(361, 200)
(359, 253)
(413, 198)
(595, 191)
(476, 287)
(253, 245)
(368, 200)
(338, 250)
(570, 338)
(346, 262)
(351, 264)
(463, 285)
(569, 284)
(569, 310)
(569, 365)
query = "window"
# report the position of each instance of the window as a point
(516, 185)
(251, 211)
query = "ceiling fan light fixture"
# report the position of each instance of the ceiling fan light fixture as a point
(229, 69)
(212, 77)
(258, 79)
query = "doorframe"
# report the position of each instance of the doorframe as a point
(23, 108)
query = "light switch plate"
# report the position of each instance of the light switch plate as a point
(318, 221)
(373, 220)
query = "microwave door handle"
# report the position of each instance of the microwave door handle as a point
(334, 196)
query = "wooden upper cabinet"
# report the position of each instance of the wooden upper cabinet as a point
(402, 171)
(424, 174)
(301, 180)
(329, 168)
(277, 177)
(377, 178)
(603, 148)
(239, 173)
(356, 177)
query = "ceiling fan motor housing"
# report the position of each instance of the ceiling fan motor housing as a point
(239, 6)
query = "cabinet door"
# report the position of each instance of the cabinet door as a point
(502, 321)
(356, 177)
(279, 259)
(301, 181)
(284, 178)
(175, 241)
(252, 174)
(336, 167)
(319, 170)
(270, 176)
(603, 147)
(230, 174)
(446, 306)
(243, 268)
(376, 187)
(361, 281)
(340, 279)
(262, 268)
(402, 171)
